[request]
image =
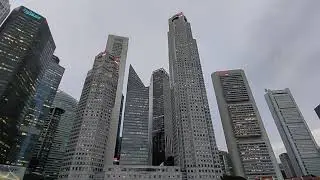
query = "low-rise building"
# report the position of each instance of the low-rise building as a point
(128, 172)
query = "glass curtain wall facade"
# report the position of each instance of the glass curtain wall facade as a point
(247, 141)
(4, 10)
(25, 50)
(38, 110)
(301, 147)
(160, 117)
(134, 145)
(57, 151)
(195, 149)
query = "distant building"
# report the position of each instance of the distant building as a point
(4, 10)
(94, 134)
(140, 173)
(226, 164)
(301, 147)
(282, 171)
(247, 141)
(59, 145)
(317, 110)
(45, 142)
(134, 145)
(26, 48)
(160, 117)
(287, 165)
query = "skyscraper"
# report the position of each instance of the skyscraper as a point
(4, 10)
(58, 148)
(287, 166)
(119, 138)
(247, 141)
(93, 136)
(37, 112)
(45, 142)
(226, 164)
(296, 136)
(160, 117)
(134, 145)
(27, 47)
(317, 110)
(195, 149)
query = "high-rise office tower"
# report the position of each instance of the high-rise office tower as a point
(25, 50)
(160, 117)
(287, 166)
(4, 10)
(317, 110)
(93, 136)
(296, 136)
(57, 151)
(119, 138)
(44, 144)
(247, 141)
(195, 149)
(134, 145)
(37, 112)
(226, 163)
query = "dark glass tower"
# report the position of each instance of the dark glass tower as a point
(135, 146)
(160, 117)
(44, 144)
(33, 121)
(118, 142)
(25, 50)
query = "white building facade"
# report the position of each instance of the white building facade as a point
(93, 136)
(247, 141)
(195, 149)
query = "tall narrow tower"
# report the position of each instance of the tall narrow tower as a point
(296, 136)
(93, 137)
(134, 145)
(160, 117)
(195, 149)
(247, 141)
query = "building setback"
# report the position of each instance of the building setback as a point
(160, 117)
(59, 144)
(247, 141)
(287, 166)
(297, 138)
(26, 48)
(4, 10)
(38, 110)
(134, 145)
(93, 136)
(195, 149)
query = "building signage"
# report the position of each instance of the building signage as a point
(31, 13)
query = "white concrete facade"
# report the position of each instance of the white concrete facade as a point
(93, 136)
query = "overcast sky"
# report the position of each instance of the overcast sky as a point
(276, 42)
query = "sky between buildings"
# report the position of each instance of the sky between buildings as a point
(275, 42)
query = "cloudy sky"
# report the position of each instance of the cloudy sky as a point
(276, 42)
